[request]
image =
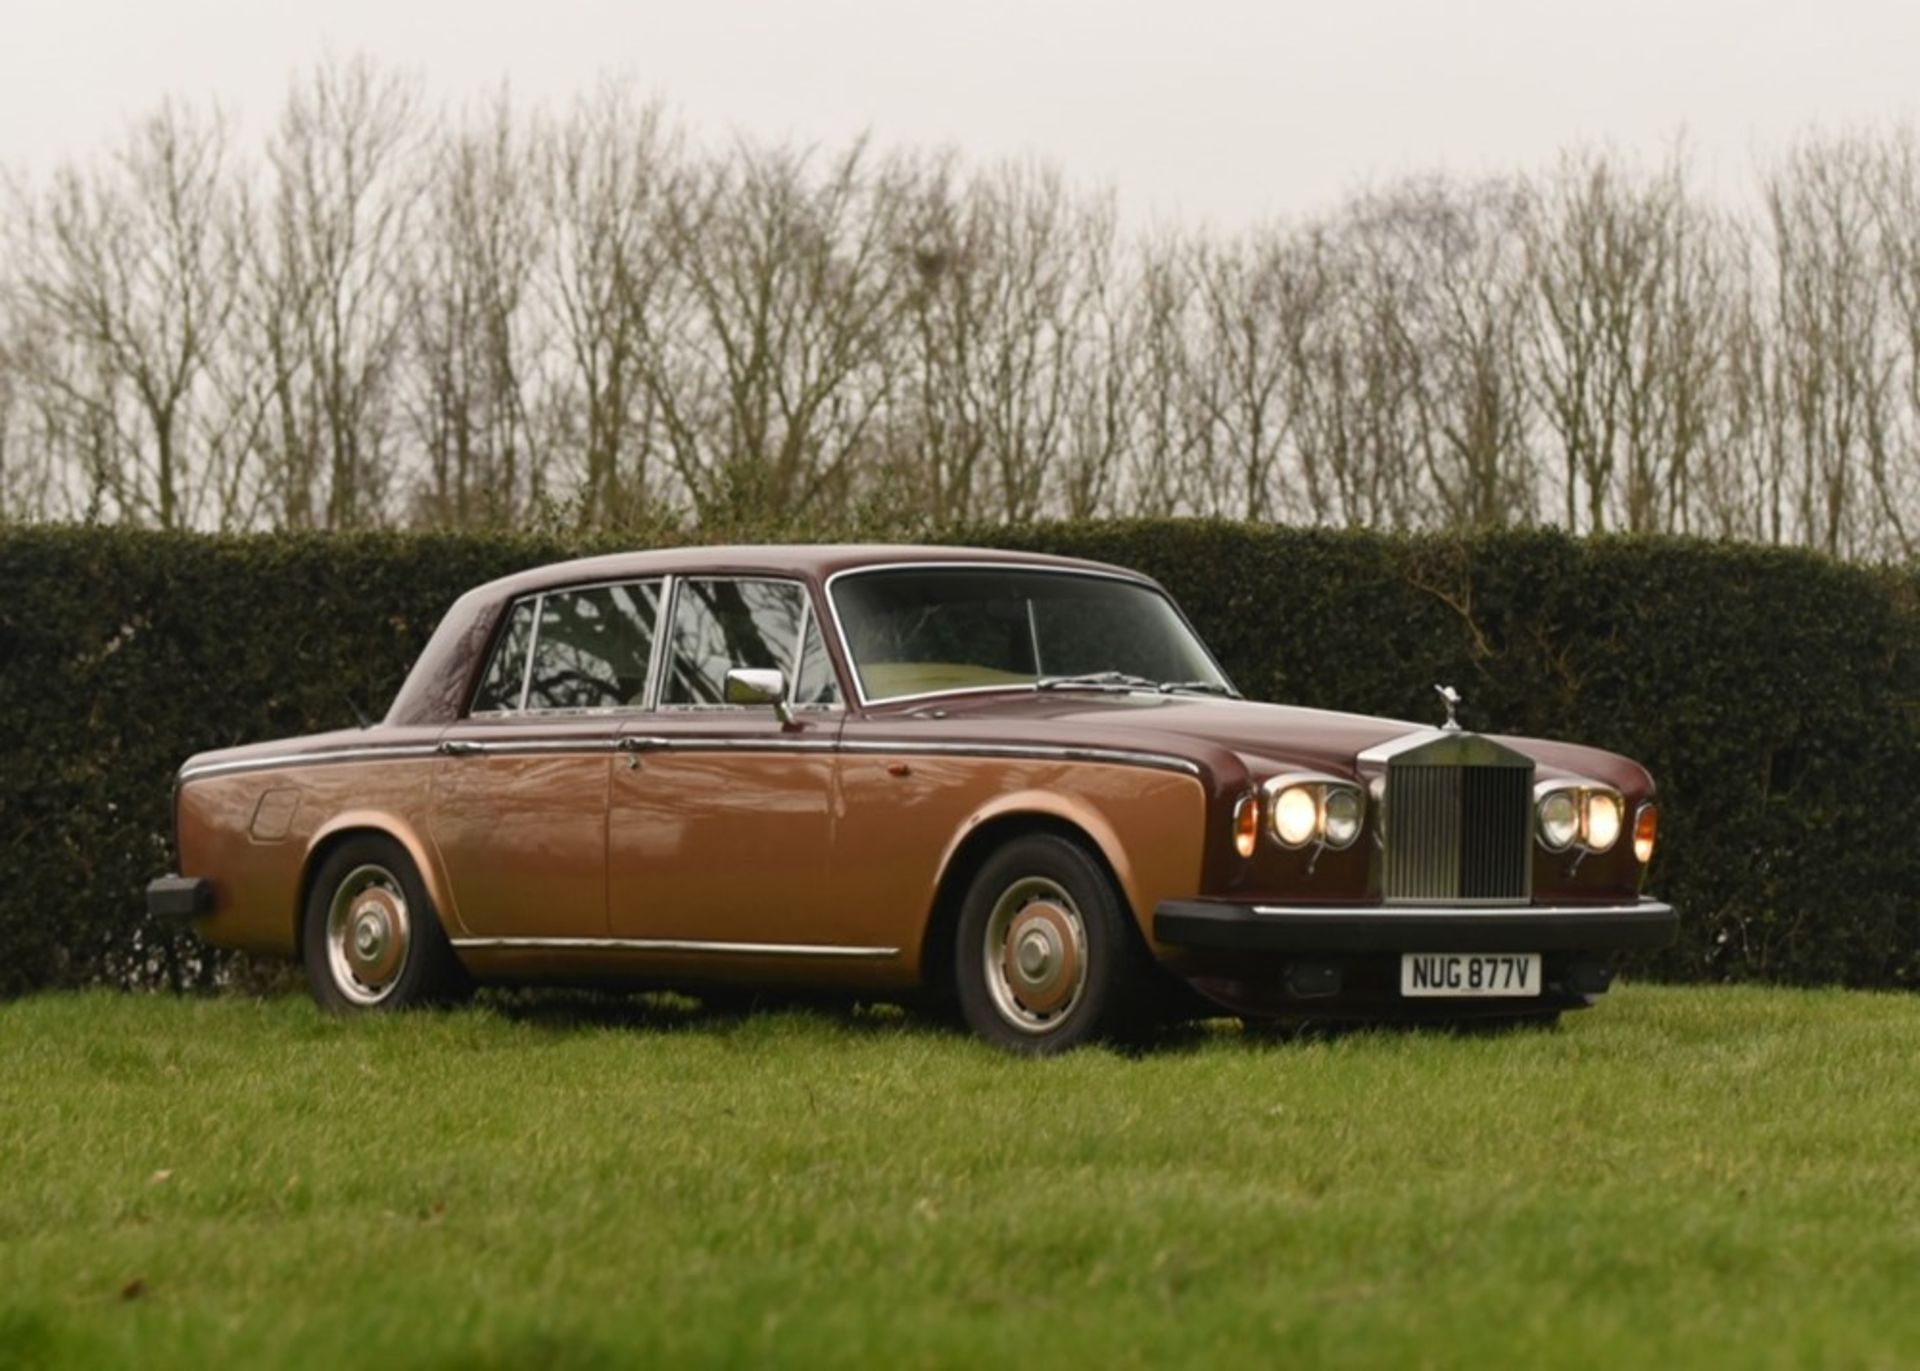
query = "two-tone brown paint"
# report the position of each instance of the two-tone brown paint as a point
(667, 845)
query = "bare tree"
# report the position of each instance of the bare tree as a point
(468, 324)
(1249, 292)
(1894, 445)
(1834, 369)
(606, 173)
(328, 296)
(1445, 269)
(128, 275)
(1625, 339)
(505, 316)
(766, 384)
(1350, 389)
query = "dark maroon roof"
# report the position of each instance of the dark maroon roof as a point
(436, 689)
(812, 560)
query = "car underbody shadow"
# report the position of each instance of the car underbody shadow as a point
(562, 1009)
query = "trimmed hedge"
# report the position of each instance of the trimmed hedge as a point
(1771, 692)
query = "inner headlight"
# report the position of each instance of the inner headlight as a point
(1602, 826)
(1559, 818)
(1340, 815)
(1296, 815)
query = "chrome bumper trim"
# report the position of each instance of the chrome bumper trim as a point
(671, 945)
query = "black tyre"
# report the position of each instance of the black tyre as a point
(370, 936)
(1046, 957)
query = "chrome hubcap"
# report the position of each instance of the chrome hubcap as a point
(368, 934)
(1035, 954)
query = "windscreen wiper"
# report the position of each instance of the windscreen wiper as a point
(1096, 680)
(1200, 687)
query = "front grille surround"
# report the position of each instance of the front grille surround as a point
(1457, 823)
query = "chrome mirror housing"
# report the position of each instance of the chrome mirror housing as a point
(759, 686)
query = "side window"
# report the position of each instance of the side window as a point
(500, 688)
(592, 647)
(722, 624)
(815, 684)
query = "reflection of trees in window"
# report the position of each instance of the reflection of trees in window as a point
(593, 647)
(500, 689)
(815, 684)
(720, 625)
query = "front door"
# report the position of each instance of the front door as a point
(720, 817)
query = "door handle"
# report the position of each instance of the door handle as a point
(460, 747)
(633, 744)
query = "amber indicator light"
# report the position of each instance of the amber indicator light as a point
(1646, 827)
(1246, 825)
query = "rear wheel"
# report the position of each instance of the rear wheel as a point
(1046, 955)
(370, 937)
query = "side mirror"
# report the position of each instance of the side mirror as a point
(759, 686)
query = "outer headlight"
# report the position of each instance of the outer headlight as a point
(1296, 815)
(1600, 826)
(1559, 819)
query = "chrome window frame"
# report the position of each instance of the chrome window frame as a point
(538, 598)
(494, 644)
(1130, 578)
(670, 605)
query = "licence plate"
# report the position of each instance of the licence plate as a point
(1469, 973)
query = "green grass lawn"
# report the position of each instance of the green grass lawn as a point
(1709, 1175)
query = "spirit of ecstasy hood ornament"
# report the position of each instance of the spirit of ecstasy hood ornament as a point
(1451, 697)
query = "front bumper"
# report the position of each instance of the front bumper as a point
(1235, 927)
(179, 897)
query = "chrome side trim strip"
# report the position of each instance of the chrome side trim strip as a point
(1652, 908)
(392, 752)
(561, 746)
(1116, 756)
(542, 745)
(673, 945)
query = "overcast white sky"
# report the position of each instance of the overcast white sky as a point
(1217, 111)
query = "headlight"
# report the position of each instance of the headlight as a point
(1559, 819)
(1296, 815)
(1570, 813)
(1646, 828)
(1308, 809)
(1340, 816)
(1601, 827)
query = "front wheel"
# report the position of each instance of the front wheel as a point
(1047, 957)
(370, 937)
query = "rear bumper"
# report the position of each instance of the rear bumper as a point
(1227, 926)
(179, 897)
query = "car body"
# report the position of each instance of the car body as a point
(889, 771)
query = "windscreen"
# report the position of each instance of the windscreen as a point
(919, 631)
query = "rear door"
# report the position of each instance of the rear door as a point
(520, 793)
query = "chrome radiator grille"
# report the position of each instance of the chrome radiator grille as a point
(1458, 834)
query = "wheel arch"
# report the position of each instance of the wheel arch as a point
(345, 827)
(985, 833)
